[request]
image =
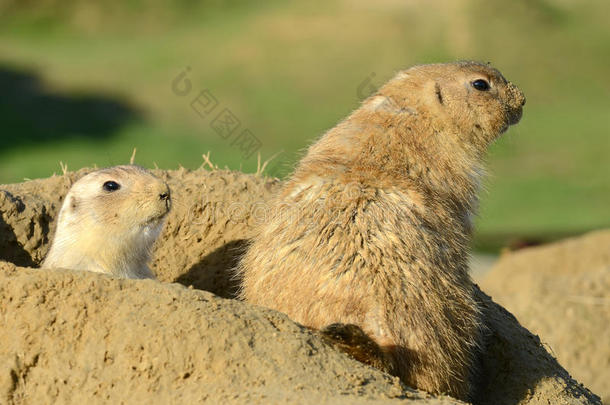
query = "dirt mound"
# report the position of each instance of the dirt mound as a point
(71, 337)
(562, 292)
(74, 337)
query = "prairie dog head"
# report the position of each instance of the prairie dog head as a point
(470, 101)
(430, 124)
(109, 222)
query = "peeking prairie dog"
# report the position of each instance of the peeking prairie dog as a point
(373, 228)
(109, 222)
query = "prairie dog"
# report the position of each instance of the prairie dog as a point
(373, 228)
(109, 222)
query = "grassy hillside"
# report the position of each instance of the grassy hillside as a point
(85, 83)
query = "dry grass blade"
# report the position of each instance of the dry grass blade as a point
(132, 159)
(208, 162)
(261, 169)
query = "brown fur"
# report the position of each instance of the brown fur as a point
(373, 227)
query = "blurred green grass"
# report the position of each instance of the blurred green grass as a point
(291, 70)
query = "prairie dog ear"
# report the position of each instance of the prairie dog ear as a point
(73, 203)
(439, 93)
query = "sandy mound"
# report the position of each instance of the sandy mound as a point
(562, 293)
(82, 338)
(70, 337)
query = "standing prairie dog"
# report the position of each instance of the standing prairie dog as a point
(109, 222)
(374, 226)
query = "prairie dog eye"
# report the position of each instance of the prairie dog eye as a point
(481, 85)
(111, 186)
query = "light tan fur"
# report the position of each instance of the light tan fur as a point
(374, 226)
(110, 232)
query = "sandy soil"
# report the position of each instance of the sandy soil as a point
(75, 337)
(562, 292)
